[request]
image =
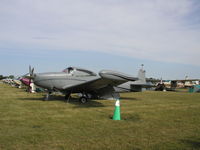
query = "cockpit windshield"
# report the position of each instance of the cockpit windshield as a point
(78, 72)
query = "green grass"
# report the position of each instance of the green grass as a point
(150, 120)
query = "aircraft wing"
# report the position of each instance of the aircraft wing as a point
(105, 79)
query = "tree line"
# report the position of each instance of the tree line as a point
(4, 77)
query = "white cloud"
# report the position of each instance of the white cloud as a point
(150, 29)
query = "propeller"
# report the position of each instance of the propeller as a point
(31, 71)
(30, 75)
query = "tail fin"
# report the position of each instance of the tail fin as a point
(141, 83)
(142, 76)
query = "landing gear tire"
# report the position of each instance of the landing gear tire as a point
(83, 100)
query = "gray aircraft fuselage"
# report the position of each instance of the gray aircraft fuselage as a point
(61, 80)
(77, 80)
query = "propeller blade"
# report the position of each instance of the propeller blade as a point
(32, 71)
(29, 69)
(30, 75)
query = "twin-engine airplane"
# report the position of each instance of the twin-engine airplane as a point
(106, 85)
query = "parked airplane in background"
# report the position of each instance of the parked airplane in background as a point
(8, 81)
(171, 85)
(17, 83)
(13, 82)
(106, 85)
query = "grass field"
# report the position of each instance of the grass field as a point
(150, 120)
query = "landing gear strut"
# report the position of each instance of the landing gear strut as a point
(67, 97)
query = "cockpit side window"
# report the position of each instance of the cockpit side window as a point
(78, 72)
(68, 70)
(81, 72)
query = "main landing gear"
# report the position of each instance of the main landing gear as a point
(83, 99)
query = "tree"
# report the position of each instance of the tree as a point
(11, 76)
(1, 77)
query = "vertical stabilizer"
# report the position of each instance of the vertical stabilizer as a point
(135, 86)
(139, 84)
(141, 76)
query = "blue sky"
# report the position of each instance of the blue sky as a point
(109, 34)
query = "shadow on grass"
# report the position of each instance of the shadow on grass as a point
(42, 98)
(194, 143)
(72, 100)
(128, 98)
(90, 103)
